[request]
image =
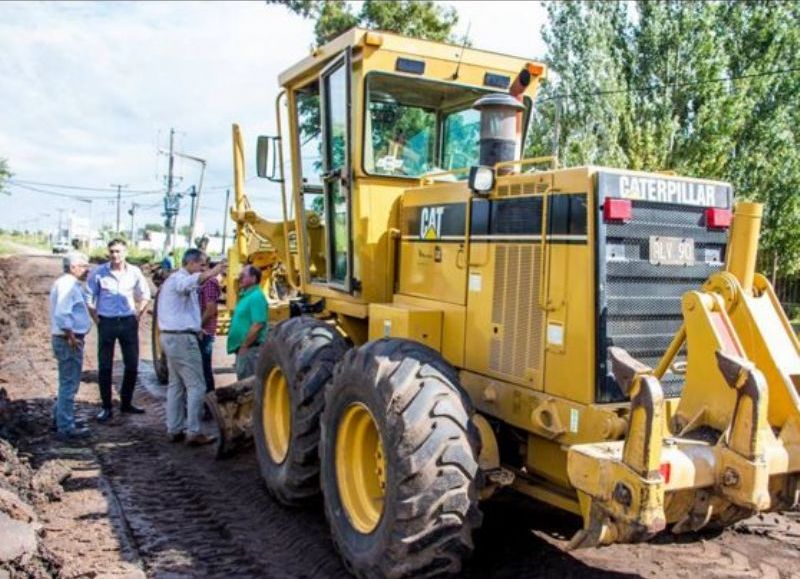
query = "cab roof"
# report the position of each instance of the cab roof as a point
(381, 41)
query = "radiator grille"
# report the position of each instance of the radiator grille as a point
(517, 351)
(642, 302)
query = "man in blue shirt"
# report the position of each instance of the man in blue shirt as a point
(69, 323)
(118, 295)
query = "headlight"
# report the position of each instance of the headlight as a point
(481, 179)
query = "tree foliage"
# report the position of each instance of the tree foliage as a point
(708, 89)
(418, 19)
(5, 174)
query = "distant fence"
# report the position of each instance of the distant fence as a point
(787, 288)
(788, 292)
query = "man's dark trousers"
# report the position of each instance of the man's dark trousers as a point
(109, 330)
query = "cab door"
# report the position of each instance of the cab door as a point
(335, 116)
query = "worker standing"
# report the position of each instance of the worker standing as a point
(118, 295)
(69, 323)
(249, 322)
(179, 322)
(210, 292)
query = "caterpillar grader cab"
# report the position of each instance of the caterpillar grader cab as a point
(593, 338)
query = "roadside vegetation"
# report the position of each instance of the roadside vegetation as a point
(37, 240)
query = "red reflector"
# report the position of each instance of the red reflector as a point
(665, 469)
(617, 210)
(718, 218)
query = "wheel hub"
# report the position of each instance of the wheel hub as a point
(360, 468)
(276, 415)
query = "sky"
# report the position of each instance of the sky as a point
(91, 90)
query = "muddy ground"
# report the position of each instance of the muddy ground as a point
(129, 503)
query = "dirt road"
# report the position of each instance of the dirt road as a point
(138, 505)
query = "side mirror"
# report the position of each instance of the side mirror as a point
(262, 156)
(267, 165)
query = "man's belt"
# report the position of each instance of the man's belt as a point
(191, 332)
(64, 337)
(125, 317)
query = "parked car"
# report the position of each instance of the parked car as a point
(61, 246)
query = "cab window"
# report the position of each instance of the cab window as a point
(415, 126)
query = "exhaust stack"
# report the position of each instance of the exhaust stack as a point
(499, 140)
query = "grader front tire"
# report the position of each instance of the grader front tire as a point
(399, 462)
(295, 364)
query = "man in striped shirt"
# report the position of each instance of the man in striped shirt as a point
(210, 292)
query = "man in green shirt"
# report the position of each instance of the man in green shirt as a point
(248, 327)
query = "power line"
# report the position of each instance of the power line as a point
(64, 195)
(80, 187)
(660, 86)
(230, 185)
(83, 198)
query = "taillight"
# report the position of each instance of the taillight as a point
(617, 210)
(666, 470)
(718, 218)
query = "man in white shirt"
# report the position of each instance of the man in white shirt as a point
(179, 323)
(69, 323)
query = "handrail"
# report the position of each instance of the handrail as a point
(428, 179)
(279, 152)
(552, 159)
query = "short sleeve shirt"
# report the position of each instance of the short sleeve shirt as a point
(209, 294)
(251, 309)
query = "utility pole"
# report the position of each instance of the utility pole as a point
(171, 202)
(132, 212)
(193, 195)
(225, 220)
(119, 201)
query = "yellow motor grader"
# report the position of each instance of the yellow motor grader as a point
(593, 338)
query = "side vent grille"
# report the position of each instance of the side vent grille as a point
(527, 188)
(517, 348)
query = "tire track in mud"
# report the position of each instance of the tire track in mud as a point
(193, 516)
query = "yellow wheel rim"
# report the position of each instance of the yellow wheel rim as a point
(360, 468)
(276, 415)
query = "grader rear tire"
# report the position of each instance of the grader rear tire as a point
(295, 364)
(399, 462)
(159, 357)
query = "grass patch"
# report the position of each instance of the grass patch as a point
(22, 239)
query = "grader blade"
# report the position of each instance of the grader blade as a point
(232, 408)
(732, 448)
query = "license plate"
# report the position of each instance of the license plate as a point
(671, 250)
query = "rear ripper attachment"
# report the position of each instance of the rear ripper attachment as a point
(732, 448)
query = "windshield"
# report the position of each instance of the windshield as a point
(414, 126)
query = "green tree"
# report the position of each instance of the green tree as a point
(157, 227)
(418, 19)
(709, 89)
(5, 174)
